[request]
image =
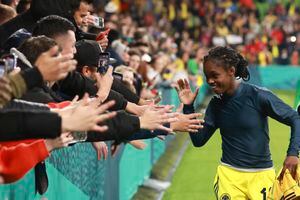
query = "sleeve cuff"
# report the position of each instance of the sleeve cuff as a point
(187, 109)
(293, 152)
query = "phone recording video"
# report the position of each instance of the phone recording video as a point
(2, 68)
(103, 62)
(99, 22)
(7, 64)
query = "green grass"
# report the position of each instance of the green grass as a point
(194, 177)
(163, 166)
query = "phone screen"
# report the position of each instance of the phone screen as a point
(10, 62)
(103, 62)
(2, 68)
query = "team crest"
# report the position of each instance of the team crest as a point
(225, 196)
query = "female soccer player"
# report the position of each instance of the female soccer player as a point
(240, 111)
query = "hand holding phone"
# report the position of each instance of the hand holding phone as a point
(7, 64)
(2, 68)
(103, 62)
(102, 34)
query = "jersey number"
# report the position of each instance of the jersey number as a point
(264, 193)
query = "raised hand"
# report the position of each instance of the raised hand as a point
(188, 123)
(86, 116)
(154, 119)
(185, 93)
(104, 83)
(62, 141)
(103, 42)
(136, 109)
(54, 67)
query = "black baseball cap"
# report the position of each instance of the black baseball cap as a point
(87, 53)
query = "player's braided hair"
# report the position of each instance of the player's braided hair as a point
(228, 57)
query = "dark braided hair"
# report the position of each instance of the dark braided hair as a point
(228, 57)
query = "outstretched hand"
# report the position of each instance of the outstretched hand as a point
(54, 66)
(62, 141)
(185, 93)
(86, 115)
(188, 123)
(104, 83)
(155, 118)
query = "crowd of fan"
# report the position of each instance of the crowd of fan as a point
(59, 91)
(60, 45)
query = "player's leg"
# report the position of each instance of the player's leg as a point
(260, 184)
(230, 184)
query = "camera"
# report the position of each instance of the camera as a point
(7, 64)
(103, 62)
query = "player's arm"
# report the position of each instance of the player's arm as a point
(278, 110)
(202, 136)
(187, 97)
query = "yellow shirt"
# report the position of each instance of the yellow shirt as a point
(288, 188)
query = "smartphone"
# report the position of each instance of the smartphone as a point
(99, 22)
(103, 62)
(102, 34)
(10, 62)
(2, 67)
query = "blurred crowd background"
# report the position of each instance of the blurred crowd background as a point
(170, 38)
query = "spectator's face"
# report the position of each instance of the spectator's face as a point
(134, 62)
(128, 77)
(66, 42)
(81, 14)
(125, 57)
(90, 72)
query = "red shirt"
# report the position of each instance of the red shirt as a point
(18, 157)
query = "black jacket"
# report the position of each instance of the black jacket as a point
(122, 89)
(38, 9)
(24, 120)
(120, 127)
(77, 84)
